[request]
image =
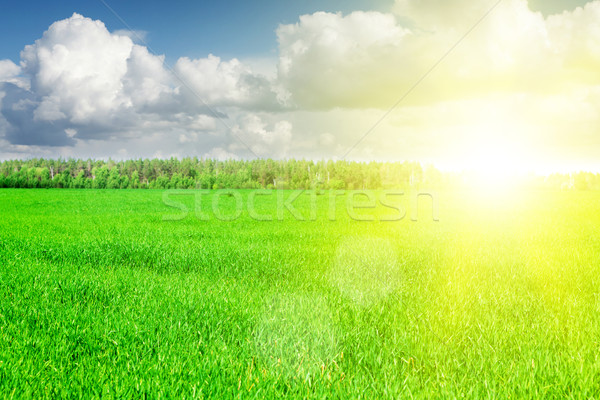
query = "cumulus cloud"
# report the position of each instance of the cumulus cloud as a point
(18, 108)
(76, 69)
(262, 138)
(223, 83)
(526, 78)
(99, 85)
(11, 73)
(576, 36)
(370, 59)
(8, 70)
(330, 60)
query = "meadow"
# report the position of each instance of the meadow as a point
(115, 294)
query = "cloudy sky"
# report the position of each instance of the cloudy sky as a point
(310, 79)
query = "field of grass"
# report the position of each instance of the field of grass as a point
(101, 295)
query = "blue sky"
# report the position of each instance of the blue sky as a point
(304, 79)
(176, 28)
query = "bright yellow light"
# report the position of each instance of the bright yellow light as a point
(494, 164)
(491, 165)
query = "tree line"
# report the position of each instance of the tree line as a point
(194, 173)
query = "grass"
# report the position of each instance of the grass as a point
(100, 297)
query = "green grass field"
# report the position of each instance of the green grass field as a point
(100, 296)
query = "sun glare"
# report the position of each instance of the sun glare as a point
(491, 166)
(494, 165)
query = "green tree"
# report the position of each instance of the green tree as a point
(134, 182)
(100, 177)
(79, 182)
(114, 179)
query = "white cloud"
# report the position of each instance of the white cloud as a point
(220, 154)
(48, 110)
(330, 60)
(371, 59)
(147, 83)
(264, 139)
(223, 83)
(326, 139)
(3, 121)
(77, 67)
(528, 79)
(102, 85)
(576, 36)
(11, 73)
(8, 71)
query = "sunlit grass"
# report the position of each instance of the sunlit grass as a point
(100, 297)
